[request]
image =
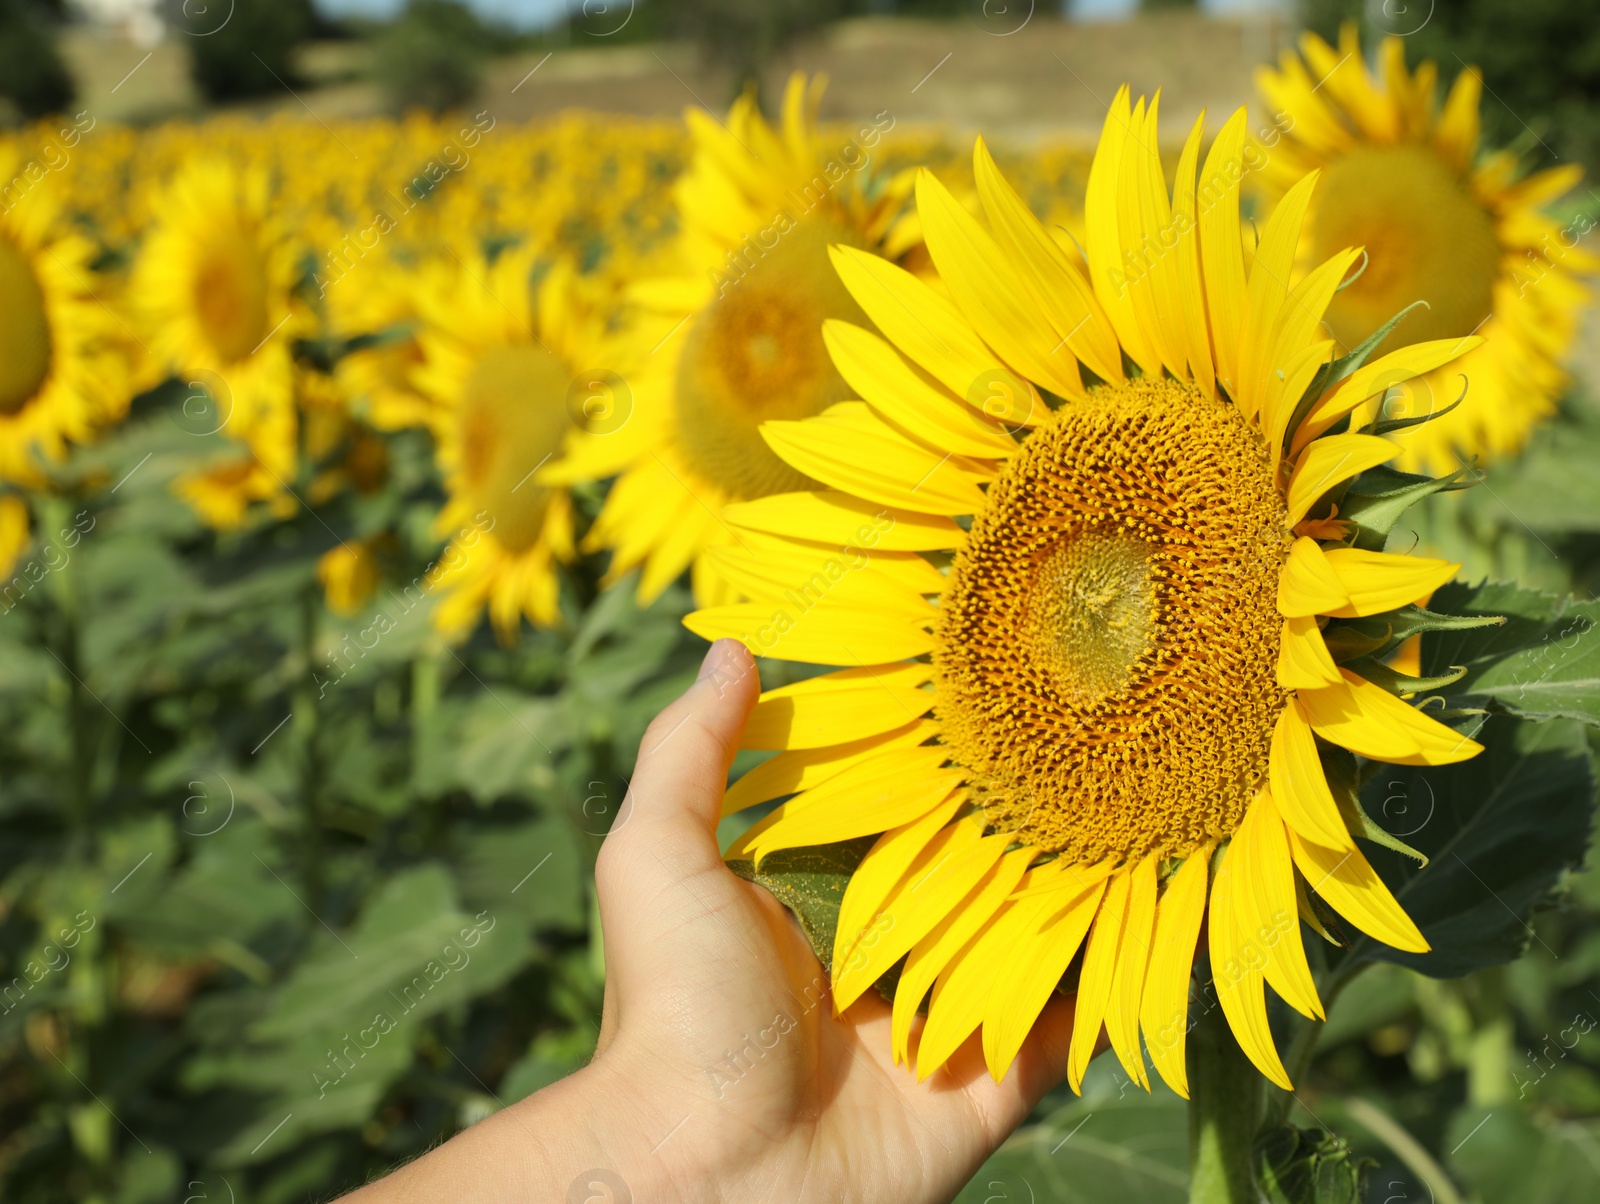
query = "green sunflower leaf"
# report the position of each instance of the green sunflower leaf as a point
(1380, 674)
(1544, 663)
(1500, 832)
(810, 882)
(1376, 635)
(1376, 499)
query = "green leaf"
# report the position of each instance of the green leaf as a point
(1376, 499)
(1091, 1151)
(1402, 684)
(1544, 663)
(1499, 832)
(810, 882)
(1375, 635)
(1307, 1166)
(530, 873)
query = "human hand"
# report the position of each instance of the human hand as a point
(721, 1071)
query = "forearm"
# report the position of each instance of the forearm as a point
(577, 1131)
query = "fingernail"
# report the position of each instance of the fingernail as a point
(716, 657)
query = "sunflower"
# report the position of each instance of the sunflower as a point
(214, 279)
(735, 340)
(1443, 223)
(60, 374)
(503, 363)
(377, 306)
(1093, 664)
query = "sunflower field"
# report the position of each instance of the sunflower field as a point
(1170, 556)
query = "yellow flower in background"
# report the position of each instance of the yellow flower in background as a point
(1090, 717)
(14, 531)
(1441, 223)
(501, 358)
(349, 575)
(60, 375)
(213, 280)
(736, 339)
(378, 304)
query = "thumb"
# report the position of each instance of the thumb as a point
(666, 827)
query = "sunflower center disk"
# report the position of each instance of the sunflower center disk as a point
(513, 418)
(230, 297)
(1427, 239)
(24, 332)
(1107, 643)
(756, 353)
(1090, 609)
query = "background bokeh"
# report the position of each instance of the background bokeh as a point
(253, 798)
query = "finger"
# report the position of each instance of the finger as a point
(1040, 1065)
(666, 829)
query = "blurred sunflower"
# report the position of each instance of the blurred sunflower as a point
(1441, 223)
(214, 280)
(379, 306)
(1107, 727)
(736, 339)
(500, 360)
(60, 374)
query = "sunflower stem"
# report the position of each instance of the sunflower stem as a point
(1224, 1114)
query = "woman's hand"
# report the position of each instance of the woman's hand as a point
(721, 1071)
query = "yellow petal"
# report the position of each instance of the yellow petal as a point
(916, 319)
(838, 707)
(1128, 980)
(1380, 581)
(937, 881)
(895, 788)
(1352, 888)
(1329, 462)
(851, 448)
(1304, 662)
(1238, 973)
(1369, 720)
(990, 291)
(928, 959)
(890, 385)
(849, 523)
(1067, 298)
(1191, 285)
(1102, 206)
(1164, 1008)
(1266, 908)
(1222, 246)
(1268, 291)
(1299, 785)
(801, 769)
(882, 869)
(831, 635)
(1308, 585)
(1094, 983)
(1040, 955)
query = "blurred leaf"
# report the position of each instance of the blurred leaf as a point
(1499, 831)
(1544, 663)
(1508, 1157)
(1134, 1149)
(531, 873)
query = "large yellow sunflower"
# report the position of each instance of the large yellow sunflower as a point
(60, 373)
(214, 281)
(1442, 223)
(735, 340)
(512, 370)
(1088, 672)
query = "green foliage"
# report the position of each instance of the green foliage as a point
(1115, 1143)
(32, 75)
(292, 896)
(432, 57)
(810, 883)
(1307, 1166)
(249, 52)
